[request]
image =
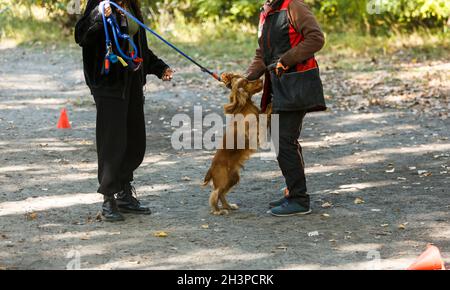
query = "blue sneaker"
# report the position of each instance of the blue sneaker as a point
(280, 201)
(290, 208)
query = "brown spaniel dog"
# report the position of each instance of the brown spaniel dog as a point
(224, 171)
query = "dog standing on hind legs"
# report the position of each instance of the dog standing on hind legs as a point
(225, 167)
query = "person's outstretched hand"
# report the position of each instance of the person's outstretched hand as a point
(108, 10)
(168, 75)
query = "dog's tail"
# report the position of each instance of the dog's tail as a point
(208, 177)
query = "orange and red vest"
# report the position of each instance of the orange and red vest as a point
(300, 88)
(278, 35)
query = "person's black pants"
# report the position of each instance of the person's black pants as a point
(290, 156)
(121, 138)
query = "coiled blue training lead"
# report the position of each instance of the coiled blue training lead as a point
(108, 41)
(116, 33)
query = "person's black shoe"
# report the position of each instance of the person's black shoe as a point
(110, 212)
(281, 201)
(128, 203)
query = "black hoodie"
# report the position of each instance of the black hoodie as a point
(90, 35)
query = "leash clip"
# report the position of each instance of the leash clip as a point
(109, 49)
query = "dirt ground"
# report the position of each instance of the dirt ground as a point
(378, 166)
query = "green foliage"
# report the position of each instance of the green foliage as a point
(364, 15)
(382, 15)
(237, 10)
(372, 17)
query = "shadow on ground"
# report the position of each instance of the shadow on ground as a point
(395, 161)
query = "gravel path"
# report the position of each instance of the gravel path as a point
(378, 171)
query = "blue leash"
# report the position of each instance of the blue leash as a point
(116, 33)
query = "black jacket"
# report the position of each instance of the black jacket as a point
(90, 35)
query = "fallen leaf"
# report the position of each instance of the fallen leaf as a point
(31, 216)
(424, 173)
(313, 234)
(135, 262)
(161, 235)
(325, 215)
(359, 200)
(205, 227)
(327, 205)
(403, 226)
(384, 225)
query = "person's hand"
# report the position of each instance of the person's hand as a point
(168, 75)
(280, 69)
(108, 11)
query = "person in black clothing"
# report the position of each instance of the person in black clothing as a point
(119, 98)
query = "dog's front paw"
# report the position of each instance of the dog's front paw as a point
(220, 212)
(232, 206)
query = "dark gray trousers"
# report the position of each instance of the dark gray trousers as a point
(290, 156)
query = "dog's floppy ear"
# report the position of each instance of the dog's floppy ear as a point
(241, 97)
(238, 97)
(238, 102)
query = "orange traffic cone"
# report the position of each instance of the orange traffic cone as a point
(63, 122)
(430, 260)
